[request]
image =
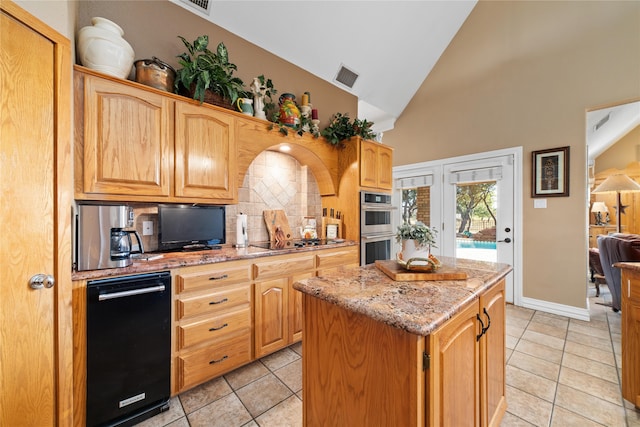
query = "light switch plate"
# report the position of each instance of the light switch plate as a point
(540, 203)
(147, 228)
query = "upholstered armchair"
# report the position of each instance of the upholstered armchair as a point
(617, 247)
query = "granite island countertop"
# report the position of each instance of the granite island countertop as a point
(170, 260)
(418, 307)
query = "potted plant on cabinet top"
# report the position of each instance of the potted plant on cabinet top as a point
(341, 128)
(417, 240)
(208, 76)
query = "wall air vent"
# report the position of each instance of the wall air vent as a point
(601, 122)
(203, 6)
(346, 77)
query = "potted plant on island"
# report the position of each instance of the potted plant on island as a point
(417, 240)
(208, 76)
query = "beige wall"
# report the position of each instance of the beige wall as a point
(620, 154)
(58, 14)
(523, 74)
(152, 28)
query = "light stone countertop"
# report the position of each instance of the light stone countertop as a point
(418, 307)
(171, 260)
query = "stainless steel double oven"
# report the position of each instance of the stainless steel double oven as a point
(376, 227)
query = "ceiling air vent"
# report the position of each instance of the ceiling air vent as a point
(601, 122)
(203, 6)
(346, 76)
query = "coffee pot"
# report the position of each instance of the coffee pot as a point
(121, 244)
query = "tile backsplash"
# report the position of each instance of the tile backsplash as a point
(274, 180)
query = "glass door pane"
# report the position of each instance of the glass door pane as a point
(416, 205)
(476, 213)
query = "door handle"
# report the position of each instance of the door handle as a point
(41, 280)
(507, 240)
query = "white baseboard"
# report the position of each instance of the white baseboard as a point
(555, 308)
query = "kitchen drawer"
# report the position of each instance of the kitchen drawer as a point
(223, 275)
(283, 266)
(214, 302)
(346, 256)
(208, 362)
(215, 328)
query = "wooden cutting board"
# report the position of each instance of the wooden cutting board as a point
(274, 219)
(397, 272)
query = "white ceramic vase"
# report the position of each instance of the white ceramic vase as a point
(411, 249)
(101, 47)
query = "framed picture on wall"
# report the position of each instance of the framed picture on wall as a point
(550, 173)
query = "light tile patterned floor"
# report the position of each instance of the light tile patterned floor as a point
(561, 372)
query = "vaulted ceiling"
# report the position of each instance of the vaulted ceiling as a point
(391, 45)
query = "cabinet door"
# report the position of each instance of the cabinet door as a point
(631, 336)
(368, 164)
(127, 140)
(385, 167)
(295, 308)
(271, 315)
(454, 374)
(493, 402)
(376, 162)
(205, 153)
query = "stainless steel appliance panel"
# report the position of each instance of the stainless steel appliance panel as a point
(375, 213)
(94, 225)
(375, 247)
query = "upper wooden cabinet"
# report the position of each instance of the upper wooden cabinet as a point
(376, 161)
(126, 140)
(138, 144)
(205, 164)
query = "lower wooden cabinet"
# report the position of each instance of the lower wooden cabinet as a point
(453, 377)
(467, 372)
(631, 336)
(271, 313)
(213, 317)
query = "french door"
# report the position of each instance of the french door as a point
(478, 211)
(475, 203)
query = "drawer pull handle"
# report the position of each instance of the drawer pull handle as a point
(219, 302)
(219, 360)
(217, 329)
(224, 276)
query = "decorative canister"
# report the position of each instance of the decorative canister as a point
(102, 48)
(289, 112)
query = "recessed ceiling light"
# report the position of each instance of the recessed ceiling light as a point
(285, 148)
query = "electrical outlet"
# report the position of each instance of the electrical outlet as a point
(147, 228)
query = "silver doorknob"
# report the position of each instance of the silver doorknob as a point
(40, 281)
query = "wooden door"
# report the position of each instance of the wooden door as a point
(295, 308)
(492, 356)
(631, 336)
(385, 167)
(454, 374)
(127, 140)
(205, 159)
(271, 317)
(368, 164)
(35, 214)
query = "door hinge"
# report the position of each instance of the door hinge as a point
(426, 361)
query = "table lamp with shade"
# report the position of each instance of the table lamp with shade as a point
(600, 210)
(617, 183)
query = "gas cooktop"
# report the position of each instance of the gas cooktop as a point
(295, 243)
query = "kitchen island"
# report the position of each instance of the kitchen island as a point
(412, 353)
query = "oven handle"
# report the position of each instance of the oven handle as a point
(376, 236)
(104, 297)
(379, 207)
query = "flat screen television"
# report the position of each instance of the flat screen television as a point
(190, 227)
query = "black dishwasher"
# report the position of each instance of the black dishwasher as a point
(128, 348)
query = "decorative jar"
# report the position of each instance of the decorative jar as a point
(101, 47)
(289, 112)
